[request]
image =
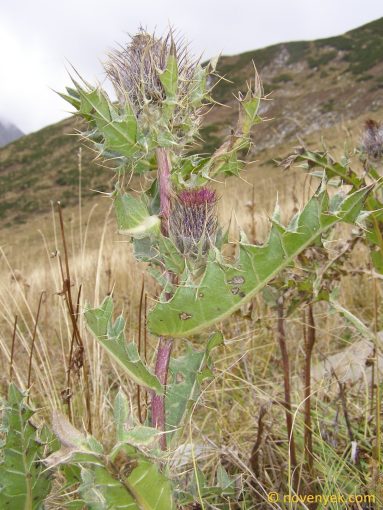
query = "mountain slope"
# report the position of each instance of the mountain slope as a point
(8, 133)
(311, 86)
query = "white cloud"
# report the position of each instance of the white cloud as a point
(38, 38)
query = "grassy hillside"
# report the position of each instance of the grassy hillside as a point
(311, 86)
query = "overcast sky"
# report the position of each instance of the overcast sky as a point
(39, 37)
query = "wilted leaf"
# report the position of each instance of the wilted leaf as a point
(133, 217)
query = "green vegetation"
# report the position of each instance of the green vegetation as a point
(298, 51)
(328, 106)
(282, 78)
(42, 167)
(363, 46)
(322, 59)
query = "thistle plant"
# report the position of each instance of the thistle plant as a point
(372, 140)
(173, 225)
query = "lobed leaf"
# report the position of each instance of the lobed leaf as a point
(118, 130)
(142, 487)
(224, 289)
(24, 482)
(111, 337)
(184, 381)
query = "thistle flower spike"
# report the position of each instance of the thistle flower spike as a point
(193, 220)
(135, 69)
(372, 139)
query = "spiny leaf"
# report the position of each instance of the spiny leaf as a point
(141, 436)
(323, 160)
(198, 91)
(180, 393)
(111, 337)
(249, 116)
(24, 482)
(169, 77)
(121, 414)
(125, 431)
(145, 488)
(222, 290)
(118, 131)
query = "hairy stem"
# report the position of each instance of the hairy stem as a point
(163, 175)
(286, 376)
(309, 344)
(165, 344)
(254, 458)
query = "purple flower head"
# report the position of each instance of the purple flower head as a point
(197, 197)
(135, 69)
(372, 139)
(193, 220)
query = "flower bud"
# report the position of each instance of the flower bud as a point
(135, 69)
(372, 139)
(193, 221)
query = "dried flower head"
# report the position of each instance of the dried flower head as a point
(193, 220)
(372, 139)
(135, 70)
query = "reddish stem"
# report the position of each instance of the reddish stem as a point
(309, 345)
(165, 344)
(164, 170)
(286, 376)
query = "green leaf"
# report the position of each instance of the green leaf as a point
(323, 160)
(224, 481)
(250, 105)
(118, 131)
(183, 381)
(133, 217)
(224, 289)
(171, 256)
(144, 489)
(150, 488)
(198, 85)
(140, 436)
(111, 337)
(101, 491)
(121, 415)
(169, 77)
(352, 319)
(24, 481)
